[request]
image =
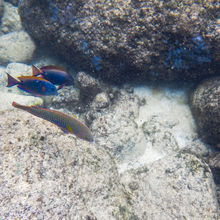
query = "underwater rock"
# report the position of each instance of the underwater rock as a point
(214, 163)
(18, 69)
(179, 186)
(11, 20)
(13, 2)
(16, 46)
(88, 86)
(206, 110)
(101, 101)
(47, 174)
(64, 176)
(8, 97)
(114, 127)
(160, 136)
(1, 9)
(121, 40)
(68, 98)
(3, 78)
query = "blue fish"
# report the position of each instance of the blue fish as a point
(67, 123)
(34, 85)
(54, 74)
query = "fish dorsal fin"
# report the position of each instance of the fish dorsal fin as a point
(52, 67)
(75, 116)
(35, 71)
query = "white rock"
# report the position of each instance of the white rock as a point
(11, 20)
(176, 187)
(18, 69)
(16, 47)
(3, 77)
(7, 98)
(47, 174)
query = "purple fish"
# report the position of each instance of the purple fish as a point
(54, 74)
(34, 85)
(65, 122)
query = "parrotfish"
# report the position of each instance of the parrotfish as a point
(54, 74)
(35, 85)
(67, 123)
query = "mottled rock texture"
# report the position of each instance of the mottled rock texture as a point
(178, 180)
(125, 39)
(1, 10)
(13, 2)
(16, 46)
(11, 20)
(205, 105)
(214, 163)
(46, 174)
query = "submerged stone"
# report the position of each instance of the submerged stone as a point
(121, 40)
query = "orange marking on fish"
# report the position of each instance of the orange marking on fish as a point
(32, 77)
(43, 88)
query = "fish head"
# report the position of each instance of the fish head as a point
(86, 137)
(89, 138)
(50, 89)
(82, 132)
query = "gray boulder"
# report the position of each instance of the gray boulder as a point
(11, 20)
(13, 2)
(50, 175)
(214, 163)
(120, 40)
(1, 9)
(47, 174)
(179, 186)
(205, 106)
(16, 46)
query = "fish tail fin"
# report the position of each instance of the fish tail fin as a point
(11, 81)
(35, 71)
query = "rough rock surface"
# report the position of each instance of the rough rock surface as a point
(214, 163)
(11, 20)
(205, 105)
(114, 127)
(176, 187)
(122, 39)
(14, 2)
(88, 86)
(1, 9)
(47, 174)
(7, 98)
(68, 98)
(16, 46)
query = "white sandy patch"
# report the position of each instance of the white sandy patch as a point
(170, 107)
